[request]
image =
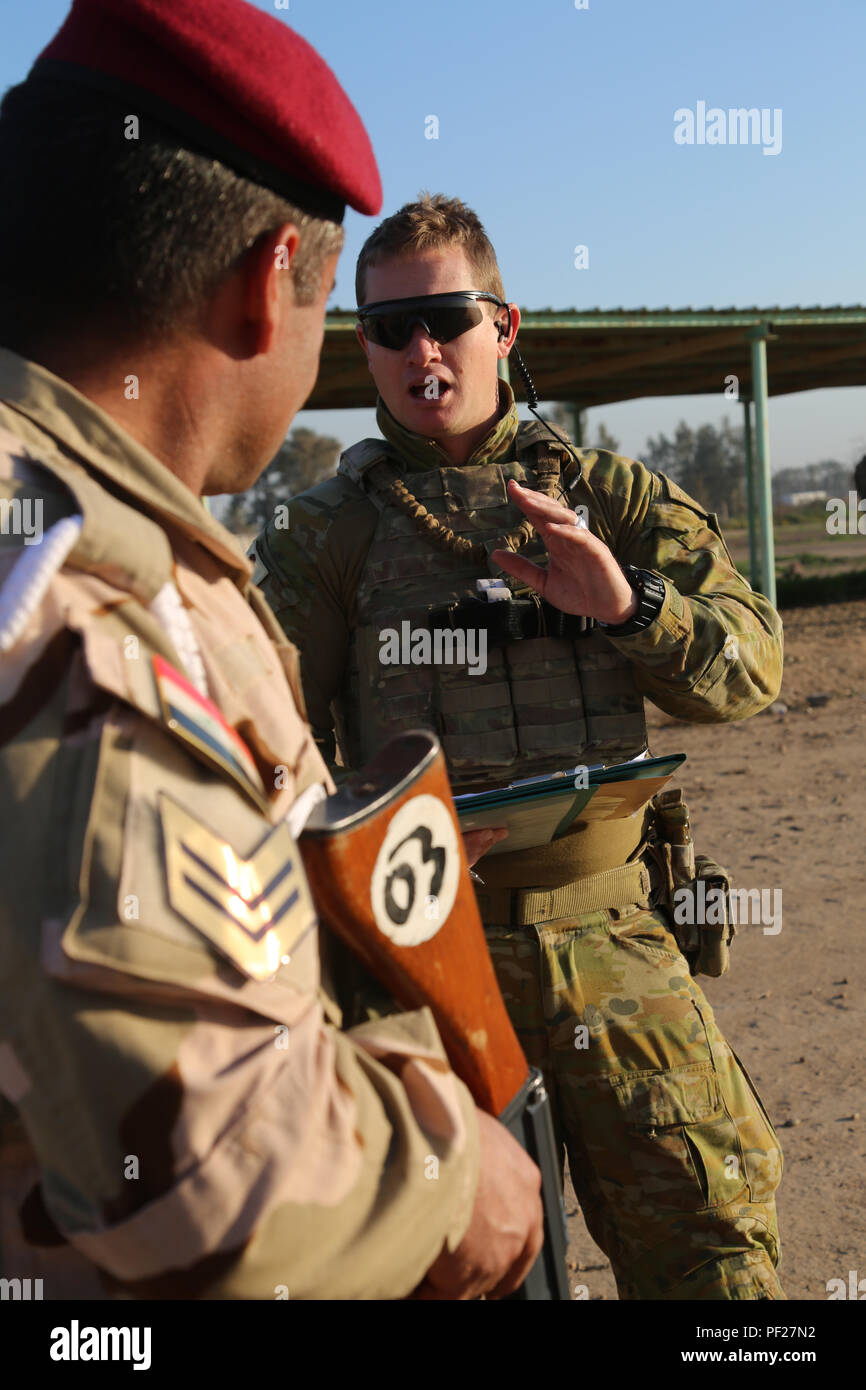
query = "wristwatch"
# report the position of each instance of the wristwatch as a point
(650, 592)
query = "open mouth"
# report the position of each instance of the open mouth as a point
(433, 390)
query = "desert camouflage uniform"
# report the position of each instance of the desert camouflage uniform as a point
(202, 1126)
(672, 1156)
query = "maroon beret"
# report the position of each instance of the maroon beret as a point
(230, 82)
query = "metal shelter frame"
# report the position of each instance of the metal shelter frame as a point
(599, 357)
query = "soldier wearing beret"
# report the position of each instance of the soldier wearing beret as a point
(171, 1053)
(671, 1153)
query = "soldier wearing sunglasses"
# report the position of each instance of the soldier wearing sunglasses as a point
(672, 1156)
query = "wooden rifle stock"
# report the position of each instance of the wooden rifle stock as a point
(414, 921)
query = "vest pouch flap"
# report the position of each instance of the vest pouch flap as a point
(467, 489)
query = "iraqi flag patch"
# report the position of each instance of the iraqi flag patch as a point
(199, 722)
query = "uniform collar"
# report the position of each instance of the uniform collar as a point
(421, 453)
(83, 429)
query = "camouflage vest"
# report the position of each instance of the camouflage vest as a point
(542, 704)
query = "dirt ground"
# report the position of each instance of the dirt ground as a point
(779, 799)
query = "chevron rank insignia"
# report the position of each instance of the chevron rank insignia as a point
(254, 911)
(200, 724)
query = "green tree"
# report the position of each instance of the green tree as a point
(301, 461)
(562, 415)
(605, 440)
(708, 463)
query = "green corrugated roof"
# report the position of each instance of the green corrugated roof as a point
(597, 356)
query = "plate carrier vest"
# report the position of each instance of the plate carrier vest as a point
(543, 703)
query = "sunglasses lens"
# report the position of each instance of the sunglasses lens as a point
(394, 330)
(388, 330)
(446, 324)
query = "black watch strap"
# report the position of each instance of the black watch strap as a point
(650, 592)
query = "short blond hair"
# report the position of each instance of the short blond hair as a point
(429, 224)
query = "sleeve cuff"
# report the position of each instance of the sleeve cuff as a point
(667, 632)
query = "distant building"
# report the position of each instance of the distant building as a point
(802, 499)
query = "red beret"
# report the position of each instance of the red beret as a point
(231, 82)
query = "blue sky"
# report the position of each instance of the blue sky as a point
(556, 125)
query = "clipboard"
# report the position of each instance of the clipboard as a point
(539, 810)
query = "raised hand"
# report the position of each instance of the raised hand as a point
(583, 577)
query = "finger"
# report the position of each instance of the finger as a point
(477, 842)
(478, 837)
(427, 1293)
(520, 568)
(535, 504)
(521, 1267)
(572, 538)
(458, 1288)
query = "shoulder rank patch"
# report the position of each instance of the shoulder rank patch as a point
(254, 911)
(199, 722)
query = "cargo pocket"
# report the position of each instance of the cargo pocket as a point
(759, 1140)
(646, 929)
(687, 1153)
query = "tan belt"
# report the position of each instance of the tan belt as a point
(522, 907)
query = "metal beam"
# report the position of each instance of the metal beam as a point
(764, 488)
(344, 320)
(751, 513)
(821, 356)
(690, 318)
(607, 366)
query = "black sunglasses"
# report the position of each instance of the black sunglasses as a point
(391, 322)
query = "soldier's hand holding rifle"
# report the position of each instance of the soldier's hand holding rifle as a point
(506, 1231)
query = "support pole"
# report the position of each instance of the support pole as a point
(764, 487)
(751, 513)
(578, 425)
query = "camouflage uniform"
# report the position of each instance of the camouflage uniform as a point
(671, 1154)
(201, 1126)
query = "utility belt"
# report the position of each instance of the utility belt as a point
(517, 907)
(664, 873)
(511, 621)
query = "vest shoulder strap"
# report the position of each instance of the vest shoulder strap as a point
(532, 433)
(355, 463)
(370, 466)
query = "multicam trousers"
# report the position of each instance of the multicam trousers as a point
(672, 1155)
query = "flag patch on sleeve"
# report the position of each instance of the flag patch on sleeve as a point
(198, 721)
